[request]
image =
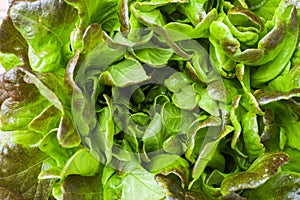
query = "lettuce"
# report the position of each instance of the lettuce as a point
(159, 99)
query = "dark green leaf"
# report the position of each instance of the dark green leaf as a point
(258, 173)
(13, 47)
(21, 101)
(22, 166)
(82, 187)
(284, 185)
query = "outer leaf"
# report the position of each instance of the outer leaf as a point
(19, 179)
(287, 117)
(13, 47)
(82, 187)
(45, 33)
(150, 18)
(292, 165)
(20, 101)
(67, 134)
(88, 11)
(136, 182)
(266, 9)
(179, 31)
(23, 137)
(150, 5)
(46, 121)
(50, 86)
(287, 81)
(106, 131)
(259, 172)
(177, 81)
(174, 190)
(284, 185)
(264, 97)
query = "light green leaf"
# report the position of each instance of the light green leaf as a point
(75, 164)
(127, 72)
(45, 33)
(154, 56)
(140, 183)
(186, 98)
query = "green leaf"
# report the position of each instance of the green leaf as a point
(21, 101)
(180, 31)
(151, 5)
(177, 81)
(44, 32)
(117, 103)
(286, 117)
(140, 183)
(106, 130)
(175, 191)
(251, 137)
(49, 145)
(172, 117)
(186, 98)
(132, 183)
(22, 166)
(286, 82)
(173, 145)
(258, 173)
(89, 13)
(208, 149)
(74, 164)
(223, 90)
(141, 119)
(82, 187)
(170, 163)
(150, 18)
(127, 72)
(112, 184)
(292, 165)
(207, 103)
(194, 10)
(46, 121)
(23, 137)
(266, 9)
(153, 135)
(13, 47)
(284, 185)
(50, 86)
(67, 134)
(153, 55)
